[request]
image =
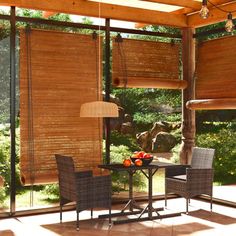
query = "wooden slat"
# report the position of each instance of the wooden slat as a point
(148, 67)
(181, 3)
(212, 104)
(86, 8)
(64, 69)
(216, 69)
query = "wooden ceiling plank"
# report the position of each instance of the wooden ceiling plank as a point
(215, 16)
(86, 8)
(187, 10)
(181, 3)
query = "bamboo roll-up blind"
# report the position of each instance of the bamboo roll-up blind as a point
(141, 63)
(58, 72)
(216, 69)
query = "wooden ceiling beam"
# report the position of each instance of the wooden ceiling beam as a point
(180, 3)
(87, 8)
(215, 16)
(191, 11)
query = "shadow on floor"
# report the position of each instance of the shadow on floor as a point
(100, 227)
(179, 229)
(6, 233)
(213, 217)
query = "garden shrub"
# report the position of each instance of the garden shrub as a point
(52, 192)
(224, 143)
(126, 140)
(120, 179)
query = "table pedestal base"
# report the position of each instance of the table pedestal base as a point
(117, 222)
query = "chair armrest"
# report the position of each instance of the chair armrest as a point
(83, 174)
(176, 170)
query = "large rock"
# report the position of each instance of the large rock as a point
(127, 128)
(115, 123)
(144, 140)
(128, 118)
(163, 142)
(158, 127)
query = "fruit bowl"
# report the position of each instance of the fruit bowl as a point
(145, 161)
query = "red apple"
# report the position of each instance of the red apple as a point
(141, 154)
(147, 155)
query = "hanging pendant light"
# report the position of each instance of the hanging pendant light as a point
(229, 26)
(99, 108)
(204, 12)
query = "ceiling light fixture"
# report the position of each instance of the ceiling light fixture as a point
(204, 13)
(99, 108)
(229, 26)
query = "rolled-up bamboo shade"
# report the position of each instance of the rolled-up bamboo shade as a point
(212, 104)
(215, 75)
(146, 64)
(63, 71)
(140, 82)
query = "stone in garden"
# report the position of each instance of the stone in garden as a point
(158, 127)
(163, 142)
(127, 128)
(128, 118)
(145, 141)
(115, 123)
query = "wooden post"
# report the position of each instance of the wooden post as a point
(188, 116)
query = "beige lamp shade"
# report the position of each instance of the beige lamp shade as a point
(99, 109)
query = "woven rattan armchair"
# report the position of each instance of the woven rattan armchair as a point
(192, 180)
(82, 187)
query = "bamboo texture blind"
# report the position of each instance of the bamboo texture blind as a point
(216, 69)
(146, 64)
(58, 72)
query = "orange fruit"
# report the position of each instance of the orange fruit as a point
(127, 162)
(138, 162)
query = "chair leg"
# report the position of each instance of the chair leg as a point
(60, 213)
(165, 200)
(110, 223)
(211, 203)
(187, 205)
(77, 220)
(91, 213)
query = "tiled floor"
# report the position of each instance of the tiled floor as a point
(200, 222)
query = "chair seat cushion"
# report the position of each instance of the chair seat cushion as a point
(179, 177)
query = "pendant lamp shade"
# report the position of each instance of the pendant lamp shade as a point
(99, 109)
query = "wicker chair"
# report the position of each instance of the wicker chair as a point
(82, 187)
(191, 180)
